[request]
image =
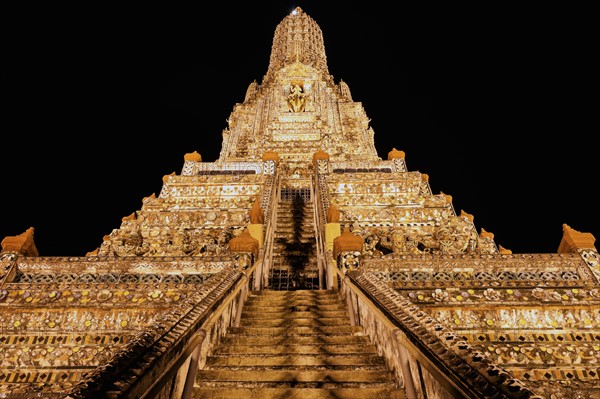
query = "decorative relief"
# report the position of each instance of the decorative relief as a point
(352, 167)
(133, 292)
(156, 241)
(103, 265)
(399, 165)
(474, 270)
(535, 315)
(448, 346)
(267, 194)
(309, 136)
(196, 190)
(349, 260)
(592, 259)
(393, 183)
(295, 124)
(217, 168)
(188, 168)
(208, 218)
(34, 342)
(381, 215)
(454, 235)
(7, 268)
(453, 296)
(269, 167)
(322, 166)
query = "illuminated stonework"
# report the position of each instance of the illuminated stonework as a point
(141, 312)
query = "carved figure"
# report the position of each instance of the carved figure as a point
(296, 99)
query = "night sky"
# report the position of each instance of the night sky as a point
(493, 104)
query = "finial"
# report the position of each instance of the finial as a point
(193, 156)
(395, 154)
(573, 240)
(466, 215)
(347, 241)
(22, 243)
(244, 243)
(257, 215)
(270, 156)
(504, 251)
(128, 217)
(447, 197)
(166, 177)
(486, 234)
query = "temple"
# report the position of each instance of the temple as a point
(300, 264)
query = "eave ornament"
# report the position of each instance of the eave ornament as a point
(572, 240)
(244, 243)
(347, 242)
(394, 154)
(22, 244)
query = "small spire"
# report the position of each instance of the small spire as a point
(395, 154)
(22, 243)
(573, 240)
(193, 156)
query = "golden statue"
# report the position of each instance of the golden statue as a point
(296, 99)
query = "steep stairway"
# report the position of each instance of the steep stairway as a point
(295, 344)
(294, 261)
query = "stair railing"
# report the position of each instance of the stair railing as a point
(226, 314)
(262, 280)
(318, 223)
(360, 305)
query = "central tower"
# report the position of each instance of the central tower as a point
(298, 110)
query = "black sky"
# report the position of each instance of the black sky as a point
(493, 104)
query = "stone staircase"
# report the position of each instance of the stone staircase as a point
(295, 344)
(294, 261)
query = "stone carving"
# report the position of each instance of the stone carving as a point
(296, 99)
(500, 321)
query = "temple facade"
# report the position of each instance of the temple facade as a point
(299, 204)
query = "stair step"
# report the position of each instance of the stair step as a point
(298, 393)
(335, 378)
(288, 231)
(300, 254)
(291, 360)
(298, 330)
(295, 349)
(300, 303)
(278, 260)
(237, 339)
(286, 271)
(296, 314)
(298, 306)
(295, 294)
(307, 241)
(289, 221)
(306, 322)
(295, 344)
(288, 296)
(305, 237)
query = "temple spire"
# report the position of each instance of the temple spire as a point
(297, 38)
